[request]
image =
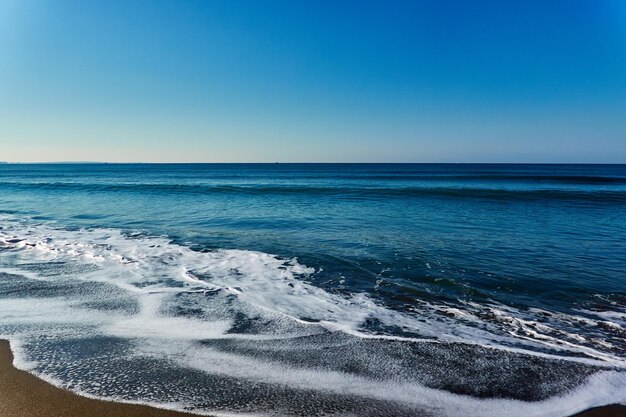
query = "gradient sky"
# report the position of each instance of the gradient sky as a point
(371, 81)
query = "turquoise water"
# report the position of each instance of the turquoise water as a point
(295, 289)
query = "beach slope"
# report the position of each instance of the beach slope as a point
(24, 395)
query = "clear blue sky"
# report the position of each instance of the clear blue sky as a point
(404, 81)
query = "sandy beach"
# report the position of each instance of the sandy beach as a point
(608, 411)
(24, 395)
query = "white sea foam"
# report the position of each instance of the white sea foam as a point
(149, 324)
(263, 282)
(156, 277)
(602, 388)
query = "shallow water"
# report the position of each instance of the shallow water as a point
(320, 289)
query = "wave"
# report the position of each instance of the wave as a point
(449, 177)
(257, 280)
(596, 195)
(91, 305)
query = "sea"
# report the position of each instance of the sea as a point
(320, 289)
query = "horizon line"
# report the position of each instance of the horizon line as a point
(293, 163)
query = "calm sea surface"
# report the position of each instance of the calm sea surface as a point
(320, 289)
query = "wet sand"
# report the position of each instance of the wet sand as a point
(608, 411)
(24, 395)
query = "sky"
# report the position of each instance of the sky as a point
(313, 81)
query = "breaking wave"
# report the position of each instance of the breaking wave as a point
(134, 317)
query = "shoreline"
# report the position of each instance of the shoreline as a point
(25, 395)
(22, 394)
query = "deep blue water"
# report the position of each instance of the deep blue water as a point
(536, 235)
(529, 258)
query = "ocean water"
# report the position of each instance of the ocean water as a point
(320, 289)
